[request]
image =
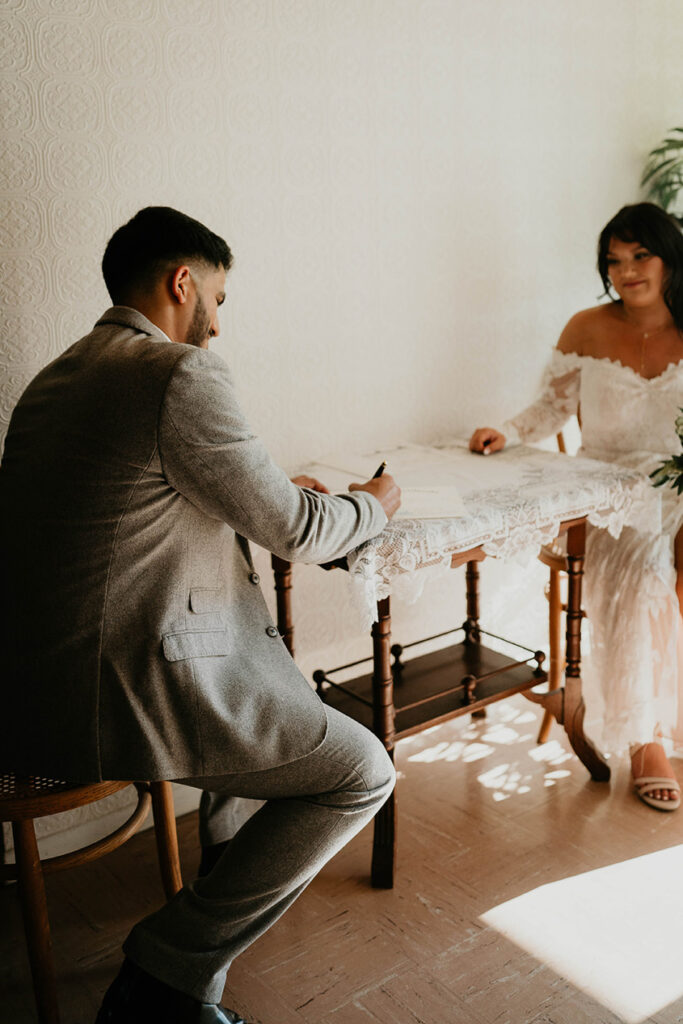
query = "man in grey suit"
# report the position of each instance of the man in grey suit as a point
(138, 643)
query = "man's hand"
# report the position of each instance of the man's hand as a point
(487, 440)
(385, 489)
(311, 483)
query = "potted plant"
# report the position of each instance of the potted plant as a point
(663, 174)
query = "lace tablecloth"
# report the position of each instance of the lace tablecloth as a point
(514, 503)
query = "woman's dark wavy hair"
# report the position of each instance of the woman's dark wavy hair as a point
(661, 235)
(157, 238)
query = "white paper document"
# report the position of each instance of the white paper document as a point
(420, 472)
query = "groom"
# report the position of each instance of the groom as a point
(130, 486)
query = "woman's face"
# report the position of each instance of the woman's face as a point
(637, 275)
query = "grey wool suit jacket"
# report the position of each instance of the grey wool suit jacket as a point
(136, 641)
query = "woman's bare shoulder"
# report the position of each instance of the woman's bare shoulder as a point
(584, 330)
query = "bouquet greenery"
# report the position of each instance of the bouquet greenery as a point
(671, 471)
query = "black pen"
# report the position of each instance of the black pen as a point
(341, 563)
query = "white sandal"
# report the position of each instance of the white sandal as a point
(645, 783)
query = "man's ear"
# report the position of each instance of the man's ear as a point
(180, 284)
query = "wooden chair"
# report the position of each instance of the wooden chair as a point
(555, 558)
(24, 799)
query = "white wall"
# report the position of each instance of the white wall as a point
(412, 190)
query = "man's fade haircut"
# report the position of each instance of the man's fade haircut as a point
(154, 241)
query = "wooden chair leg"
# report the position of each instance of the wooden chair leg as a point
(36, 923)
(556, 659)
(166, 837)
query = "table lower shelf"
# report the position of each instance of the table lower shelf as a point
(419, 685)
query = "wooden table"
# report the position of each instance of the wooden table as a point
(398, 698)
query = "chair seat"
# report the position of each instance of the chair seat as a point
(24, 798)
(34, 796)
(554, 555)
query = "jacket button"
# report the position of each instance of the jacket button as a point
(254, 578)
(272, 631)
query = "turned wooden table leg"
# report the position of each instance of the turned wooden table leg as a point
(574, 707)
(472, 607)
(384, 842)
(472, 591)
(283, 595)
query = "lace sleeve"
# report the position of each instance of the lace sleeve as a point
(557, 401)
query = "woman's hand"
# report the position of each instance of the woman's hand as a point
(487, 440)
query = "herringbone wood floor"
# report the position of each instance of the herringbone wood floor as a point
(485, 818)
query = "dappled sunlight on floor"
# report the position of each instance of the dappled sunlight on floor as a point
(505, 781)
(613, 933)
(478, 739)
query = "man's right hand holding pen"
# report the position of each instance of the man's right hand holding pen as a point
(384, 488)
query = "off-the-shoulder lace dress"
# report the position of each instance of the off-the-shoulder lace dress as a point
(630, 596)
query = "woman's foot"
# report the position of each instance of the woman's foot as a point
(651, 771)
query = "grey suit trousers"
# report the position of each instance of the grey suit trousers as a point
(222, 815)
(313, 806)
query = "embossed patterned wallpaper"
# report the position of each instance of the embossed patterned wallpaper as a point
(412, 189)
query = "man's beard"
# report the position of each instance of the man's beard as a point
(198, 332)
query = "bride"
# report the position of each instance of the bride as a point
(622, 364)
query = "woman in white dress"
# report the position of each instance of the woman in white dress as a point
(622, 364)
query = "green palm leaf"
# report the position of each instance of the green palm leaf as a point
(662, 176)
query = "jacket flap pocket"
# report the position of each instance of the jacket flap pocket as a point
(213, 643)
(203, 599)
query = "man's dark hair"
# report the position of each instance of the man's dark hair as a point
(660, 234)
(157, 239)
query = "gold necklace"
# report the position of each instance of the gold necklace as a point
(650, 333)
(655, 330)
(646, 335)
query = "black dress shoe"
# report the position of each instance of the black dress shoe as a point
(135, 997)
(212, 1014)
(210, 855)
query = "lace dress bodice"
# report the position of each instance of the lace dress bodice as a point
(625, 418)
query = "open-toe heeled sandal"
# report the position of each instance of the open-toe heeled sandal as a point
(645, 784)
